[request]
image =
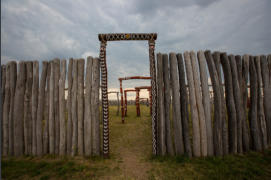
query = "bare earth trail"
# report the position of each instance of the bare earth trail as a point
(130, 145)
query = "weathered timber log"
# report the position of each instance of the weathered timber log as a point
(267, 95)
(40, 111)
(19, 110)
(260, 109)
(69, 104)
(161, 117)
(167, 102)
(80, 105)
(184, 106)
(232, 124)
(225, 135)
(34, 104)
(28, 118)
(87, 115)
(193, 106)
(245, 128)
(3, 82)
(45, 134)
(74, 108)
(253, 113)
(12, 86)
(6, 109)
(206, 101)
(95, 107)
(238, 102)
(51, 111)
(217, 133)
(56, 101)
(202, 122)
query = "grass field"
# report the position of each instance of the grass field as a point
(131, 158)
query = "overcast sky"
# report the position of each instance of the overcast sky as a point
(45, 29)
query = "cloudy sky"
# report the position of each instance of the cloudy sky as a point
(45, 29)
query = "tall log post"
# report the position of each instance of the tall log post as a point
(34, 104)
(167, 102)
(238, 103)
(45, 142)
(267, 95)
(19, 110)
(260, 109)
(232, 124)
(40, 112)
(87, 116)
(80, 106)
(253, 113)
(13, 78)
(137, 103)
(51, 111)
(95, 107)
(74, 108)
(225, 135)
(118, 110)
(62, 109)
(56, 102)
(206, 101)
(202, 122)
(69, 103)
(161, 118)
(245, 133)
(193, 106)
(218, 146)
(125, 103)
(6, 109)
(28, 117)
(3, 82)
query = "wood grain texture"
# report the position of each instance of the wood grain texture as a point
(69, 104)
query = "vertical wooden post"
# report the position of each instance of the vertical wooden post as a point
(260, 109)
(225, 138)
(125, 103)
(35, 92)
(118, 110)
(177, 121)
(80, 106)
(3, 82)
(6, 110)
(121, 102)
(45, 142)
(253, 113)
(218, 147)
(232, 124)
(267, 95)
(245, 69)
(56, 102)
(161, 109)
(51, 111)
(13, 78)
(167, 103)
(238, 104)
(206, 101)
(137, 103)
(202, 122)
(74, 108)
(40, 112)
(29, 121)
(88, 115)
(69, 102)
(62, 109)
(19, 110)
(95, 107)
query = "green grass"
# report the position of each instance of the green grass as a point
(131, 158)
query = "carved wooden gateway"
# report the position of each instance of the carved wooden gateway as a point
(150, 37)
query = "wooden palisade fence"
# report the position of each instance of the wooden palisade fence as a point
(37, 119)
(240, 85)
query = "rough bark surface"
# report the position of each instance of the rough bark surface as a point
(206, 101)
(218, 147)
(87, 116)
(6, 109)
(51, 111)
(56, 101)
(69, 104)
(40, 114)
(45, 142)
(193, 106)
(74, 109)
(202, 122)
(34, 101)
(167, 101)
